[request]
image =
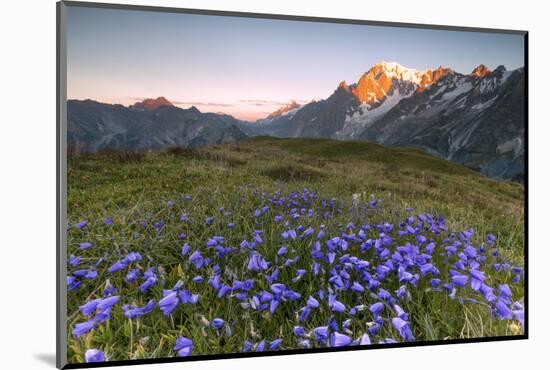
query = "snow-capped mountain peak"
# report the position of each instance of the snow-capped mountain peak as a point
(383, 78)
(395, 70)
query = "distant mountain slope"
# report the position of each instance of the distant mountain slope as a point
(286, 109)
(475, 119)
(317, 119)
(94, 126)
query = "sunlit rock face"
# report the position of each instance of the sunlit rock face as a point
(152, 104)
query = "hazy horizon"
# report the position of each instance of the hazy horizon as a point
(251, 67)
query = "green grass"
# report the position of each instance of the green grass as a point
(130, 187)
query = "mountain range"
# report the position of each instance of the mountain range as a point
(151, 124)
(474, 119)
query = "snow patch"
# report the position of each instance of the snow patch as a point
(365, 116)
(291, 112)
(459, 90)
(485, 105)
(396, 70)
(490, 84)
(515, 145)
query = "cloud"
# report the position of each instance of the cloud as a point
(260, 102)
(200, 103)
(178, 102)
(254, 102)
(135, 98)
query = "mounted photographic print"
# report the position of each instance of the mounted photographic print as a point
(235, 184)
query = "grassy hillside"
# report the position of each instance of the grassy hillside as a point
(235, 191)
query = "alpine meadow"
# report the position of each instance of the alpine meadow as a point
(231, 193)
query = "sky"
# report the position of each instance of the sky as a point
(251, 67)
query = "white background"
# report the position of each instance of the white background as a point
(27, 182)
